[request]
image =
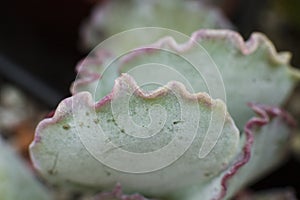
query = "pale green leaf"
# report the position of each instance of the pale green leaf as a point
(169, 115)
(16, 181)
(270, 132)
(171, 14)
(251, 71)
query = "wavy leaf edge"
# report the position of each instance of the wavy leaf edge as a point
(65, 106)
(86, 76)
(265, 113)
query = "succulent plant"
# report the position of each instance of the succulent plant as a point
(155, 114)
(108, 135)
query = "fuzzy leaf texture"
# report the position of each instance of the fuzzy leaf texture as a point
(58, 151)
(131, 141)
(251, 71)
(174, 114)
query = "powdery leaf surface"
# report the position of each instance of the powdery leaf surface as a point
(58, 151)
(270, 145)
(251, 71)
(16, 181)
(169, 115)
(117, 194)
(263, 147)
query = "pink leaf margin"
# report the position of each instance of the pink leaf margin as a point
(65, 107)
(248, 47)
(265, 113)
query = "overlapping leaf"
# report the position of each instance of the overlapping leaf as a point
(104, 21)
(59, 154)
(251, 71)
(173, 114)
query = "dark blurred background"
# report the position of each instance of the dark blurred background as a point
(41, 37)
(39, 40)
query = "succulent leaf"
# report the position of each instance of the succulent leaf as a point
(265, 136)
(60, 155)
(117, 194)
(16, 181)
(251, 71)
(181, 126)
(155, 13)
(270, 145)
